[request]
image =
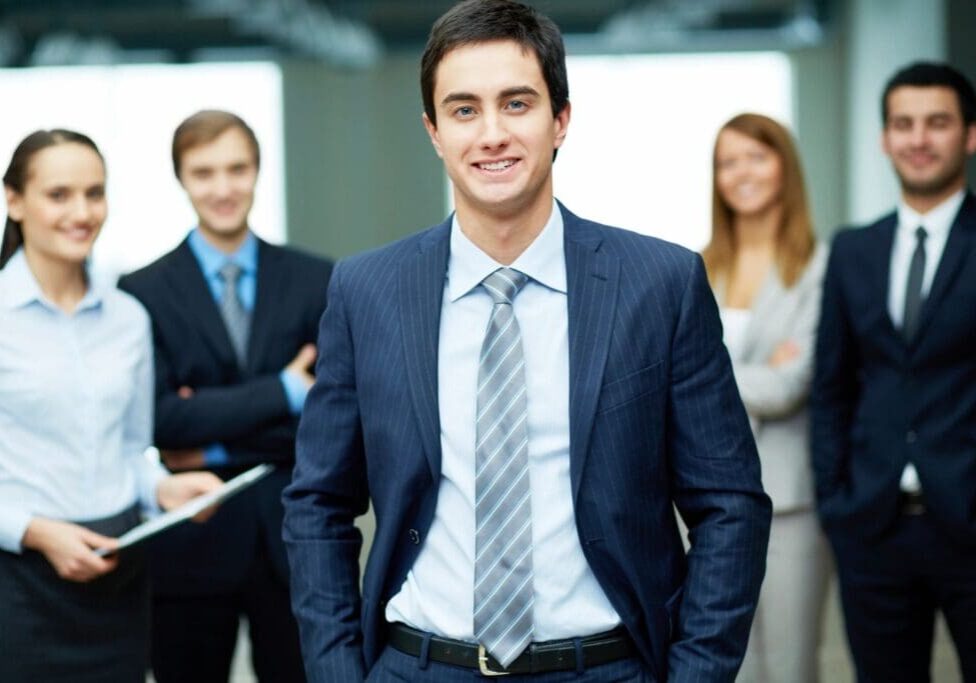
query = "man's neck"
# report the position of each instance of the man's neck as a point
(924, 203)
(505, 236)
(224, 243)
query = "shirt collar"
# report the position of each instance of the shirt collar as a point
(543, 261)
(19, 287)
(936, 222)
(212, 259)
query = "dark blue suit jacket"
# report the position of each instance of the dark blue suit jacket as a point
(245, 409)
(655, 419)
(879, 401)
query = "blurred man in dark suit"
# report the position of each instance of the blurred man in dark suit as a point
(894, 396)
(234, 324)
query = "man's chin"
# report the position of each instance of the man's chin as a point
(929, 187)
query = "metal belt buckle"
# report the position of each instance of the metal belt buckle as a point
(483, 664)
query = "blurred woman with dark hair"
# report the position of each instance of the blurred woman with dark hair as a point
(765, 268)
(76, 396)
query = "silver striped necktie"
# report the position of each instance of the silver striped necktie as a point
(503, 592)
(237, 319)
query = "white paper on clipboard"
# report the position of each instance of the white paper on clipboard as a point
(189, 509)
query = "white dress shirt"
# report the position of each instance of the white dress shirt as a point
(438, 594)
(76, 400)
(937, 223)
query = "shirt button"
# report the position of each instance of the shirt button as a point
(414, 536)
(911, 437)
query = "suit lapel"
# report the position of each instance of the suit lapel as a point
(421, 291)
(268, 302)
(954, 254)
(190, 287)
(880, 253)
(592, 279)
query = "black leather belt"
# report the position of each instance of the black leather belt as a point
(911, 503)
(551, 655)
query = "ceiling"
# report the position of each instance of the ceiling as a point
(356, 32)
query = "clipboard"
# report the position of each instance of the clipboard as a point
(178, 515)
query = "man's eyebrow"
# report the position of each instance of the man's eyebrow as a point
(518, 90)
(460, 97)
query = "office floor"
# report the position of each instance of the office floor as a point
(834, 662)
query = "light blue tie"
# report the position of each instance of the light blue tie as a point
(237, 319)
(503, 593)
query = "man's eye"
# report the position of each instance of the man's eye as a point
(58, 195)
(517, 105)
(464, 111)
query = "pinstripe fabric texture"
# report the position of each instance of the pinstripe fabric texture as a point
(503, 501)
(655, 422)
(236, 317)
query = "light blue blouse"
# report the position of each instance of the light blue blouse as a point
(76, 401)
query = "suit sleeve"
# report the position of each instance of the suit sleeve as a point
(835, 388)
(212, 414)
(328, 491)
(717, 490)
(776, 392)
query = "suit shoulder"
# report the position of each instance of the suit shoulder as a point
(146, 276)
(387, 254)
(854, 236)
(644, 252)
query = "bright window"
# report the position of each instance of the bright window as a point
(638, 153)
(131, 113)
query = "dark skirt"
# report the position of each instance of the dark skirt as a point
(52, 630)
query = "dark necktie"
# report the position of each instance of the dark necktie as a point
(913, 290)
(503, 591)
(237, 319)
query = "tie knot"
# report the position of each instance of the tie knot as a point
(229, 272)
(504, 284)
(920, 234)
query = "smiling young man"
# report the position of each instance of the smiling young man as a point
(894, 397)
(234, 323)
(523, 395)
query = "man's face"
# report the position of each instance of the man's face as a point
(927, 141)
(495, 130)
(219, 177)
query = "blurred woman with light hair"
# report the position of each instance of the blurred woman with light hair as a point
(765, 268)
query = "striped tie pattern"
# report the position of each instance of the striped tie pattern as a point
(237, 319)
(503, 593)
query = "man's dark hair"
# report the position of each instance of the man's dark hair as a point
(481, 21)
(933, 74)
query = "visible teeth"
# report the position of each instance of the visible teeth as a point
(496, 165)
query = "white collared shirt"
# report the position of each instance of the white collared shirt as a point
(438, 594)
(76, 405)
(937, 224)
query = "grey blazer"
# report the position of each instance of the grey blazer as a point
(776, 398)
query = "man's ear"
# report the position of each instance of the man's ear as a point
(431, 128)
(561, 124)
(971, 139)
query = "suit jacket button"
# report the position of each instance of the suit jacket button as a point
(911, 437)
(414, 536)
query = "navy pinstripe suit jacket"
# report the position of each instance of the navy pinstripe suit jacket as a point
(655, 420)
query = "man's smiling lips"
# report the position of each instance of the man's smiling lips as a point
(498, 166)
